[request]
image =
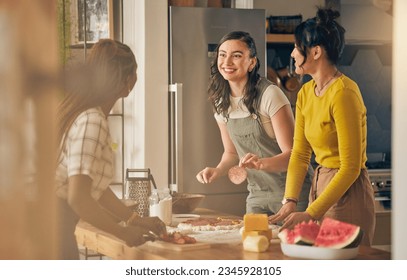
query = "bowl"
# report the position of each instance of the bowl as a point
(318, 253)
(183, 203)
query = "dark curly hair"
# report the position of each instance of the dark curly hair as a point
(323, 31)
(219, 89)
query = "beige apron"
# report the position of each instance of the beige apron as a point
(356, 206)
(266, 190)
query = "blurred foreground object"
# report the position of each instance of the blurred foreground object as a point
(28, 85)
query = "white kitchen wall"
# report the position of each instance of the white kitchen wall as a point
(146, 109)
(399, 179)
(364, 21)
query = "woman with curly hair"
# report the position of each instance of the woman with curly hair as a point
(256, 125)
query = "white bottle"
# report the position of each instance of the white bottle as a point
(161, 205)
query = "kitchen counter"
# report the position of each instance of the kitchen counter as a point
(112, 247)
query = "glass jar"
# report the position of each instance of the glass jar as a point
(161, 205)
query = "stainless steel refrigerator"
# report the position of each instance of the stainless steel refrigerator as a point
(195, 140)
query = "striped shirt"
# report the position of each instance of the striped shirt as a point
(87, 151)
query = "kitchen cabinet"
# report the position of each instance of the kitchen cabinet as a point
(280, 38)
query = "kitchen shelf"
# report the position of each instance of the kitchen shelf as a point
(280, 38)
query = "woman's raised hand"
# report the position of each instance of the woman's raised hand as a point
(251, 161)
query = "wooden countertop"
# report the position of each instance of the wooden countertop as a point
(112, 247)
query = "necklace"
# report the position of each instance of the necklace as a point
(237, 103)
(318, 91)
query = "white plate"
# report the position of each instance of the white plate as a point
(318, 253)
(179, 218)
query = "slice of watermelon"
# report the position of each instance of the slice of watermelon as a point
(302, 234)
(337, 234)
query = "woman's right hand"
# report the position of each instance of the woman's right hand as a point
(251, 161)
(134, 235)
(208, 175)
(283, 213)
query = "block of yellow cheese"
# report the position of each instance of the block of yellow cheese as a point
(267, 233)
(257, 222)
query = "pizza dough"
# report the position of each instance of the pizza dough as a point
(237, 174)
(210, 224)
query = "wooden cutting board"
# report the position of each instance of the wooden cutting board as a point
(178, 247)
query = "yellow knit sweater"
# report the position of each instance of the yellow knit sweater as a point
(334, 127)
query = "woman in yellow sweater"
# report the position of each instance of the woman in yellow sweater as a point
(331, 122)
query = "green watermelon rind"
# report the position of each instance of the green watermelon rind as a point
(338, 235)
(355, 243)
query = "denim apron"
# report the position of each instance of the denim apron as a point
(266, 190)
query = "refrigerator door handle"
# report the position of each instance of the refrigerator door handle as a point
(175, 91)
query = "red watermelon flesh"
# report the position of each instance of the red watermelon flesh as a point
(337, 234)
(303, 234)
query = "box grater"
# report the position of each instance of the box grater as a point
(138, 188)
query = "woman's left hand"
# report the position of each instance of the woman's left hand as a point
(295, 218)
(251, 161)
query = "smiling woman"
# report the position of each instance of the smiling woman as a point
(331, 123)
(256, 124)
(234, 61)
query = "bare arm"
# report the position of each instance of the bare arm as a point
(283, 125)
(229, 156)
(111, 203)
(89, 210)
(81, 201)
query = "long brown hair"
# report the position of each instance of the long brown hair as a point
(103, 76)
(219, 89)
